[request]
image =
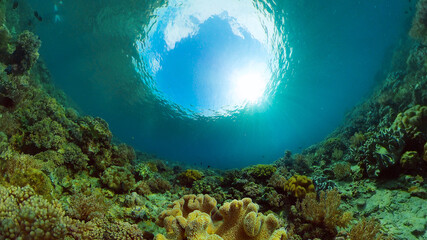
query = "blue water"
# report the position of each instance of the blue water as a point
(323, 56)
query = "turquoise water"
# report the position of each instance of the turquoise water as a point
(173, 95)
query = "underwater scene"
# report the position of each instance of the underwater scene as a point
(213, 119)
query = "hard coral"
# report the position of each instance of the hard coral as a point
(119, 179)
(188, 177)
(261, 171)
(25, 215)
(196, 217)
(299, 186)
(43, 135)
(26, 52)
(34, 178)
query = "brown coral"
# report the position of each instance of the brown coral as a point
(196, 217)
(324, 214)
(366, 230)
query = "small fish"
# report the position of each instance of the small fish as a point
(15, 5)
(37, 15)
(209, 166)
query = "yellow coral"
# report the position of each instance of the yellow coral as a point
(299, 185)
(196, 217)
(189, 176)
(413, 120)
(34, 178)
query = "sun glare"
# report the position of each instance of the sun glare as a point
(249, 83)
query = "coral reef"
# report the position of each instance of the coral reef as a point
(26, 52)
(63, 177)
(419, 25)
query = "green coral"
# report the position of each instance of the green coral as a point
(26, 52)
(144, 170)
(119, 179)
(35, 178)
(261, 171)
(46, 134)
(73, 156)
(25, 215)
(188, 177)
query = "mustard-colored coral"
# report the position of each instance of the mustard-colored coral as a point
(299, 186)
(189, 176)
(413, 120)
(261, 171)
(34, 178)
(196, 217)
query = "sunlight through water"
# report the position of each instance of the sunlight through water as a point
(208, 59)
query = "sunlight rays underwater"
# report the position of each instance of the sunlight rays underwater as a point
(234, 77)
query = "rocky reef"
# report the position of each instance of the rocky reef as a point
(62, 176)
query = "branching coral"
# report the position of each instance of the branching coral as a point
(45, 134)
(26, 52)
(24, 215)
(299, 186)
(366, 230)
(196, 217)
